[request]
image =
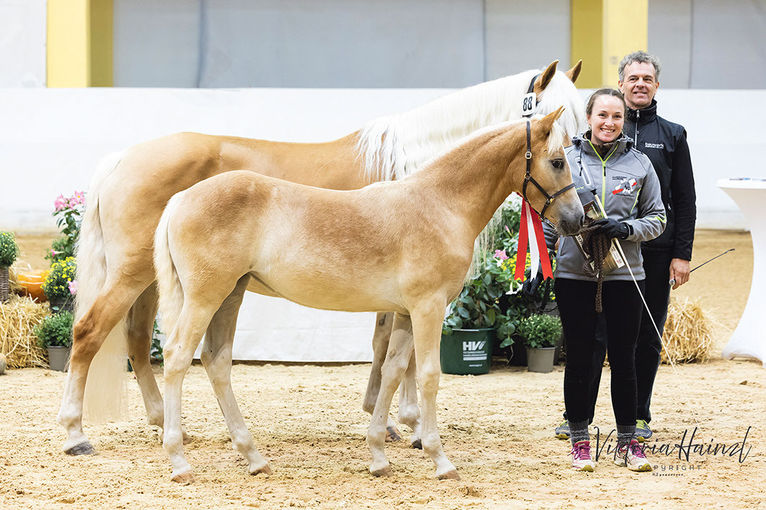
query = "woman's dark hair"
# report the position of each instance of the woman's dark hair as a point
(605, 92)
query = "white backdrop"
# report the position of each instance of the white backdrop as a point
(51, 140)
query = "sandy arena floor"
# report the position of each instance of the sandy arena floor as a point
(496, 428)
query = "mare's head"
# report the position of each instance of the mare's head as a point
(555, 89)
(547, 183)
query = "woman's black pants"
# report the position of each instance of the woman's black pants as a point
(622, 309)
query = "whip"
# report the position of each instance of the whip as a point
(673, 280)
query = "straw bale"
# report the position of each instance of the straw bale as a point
(688, 333)
(18, 318)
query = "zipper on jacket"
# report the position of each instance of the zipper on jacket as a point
(635, 135)
(603, 170)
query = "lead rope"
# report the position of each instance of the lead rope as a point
(596, 245)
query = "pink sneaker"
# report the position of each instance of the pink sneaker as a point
(581, 460)
(632, 456)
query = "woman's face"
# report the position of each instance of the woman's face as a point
(606, 119)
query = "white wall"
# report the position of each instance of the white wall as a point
(22, 43)
(51, 139)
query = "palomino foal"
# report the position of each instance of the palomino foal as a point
(356, 251)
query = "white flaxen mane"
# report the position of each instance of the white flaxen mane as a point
(395, 146)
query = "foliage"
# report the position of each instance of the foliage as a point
(55, 330)
(494, 298)
(540, 330)
(9, 250)
(60, 282)
(156, 352)
(68, 212)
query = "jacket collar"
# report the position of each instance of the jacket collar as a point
(643, 115)
(624, 143)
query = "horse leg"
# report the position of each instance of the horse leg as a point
(427, 325)
(394, 366)
(140, 323)
(89, 334)
(409, 412)
(383, 324)
(216, 358)
(179, 352)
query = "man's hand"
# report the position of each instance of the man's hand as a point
(679, 271)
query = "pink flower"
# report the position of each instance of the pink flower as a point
(54, 253)
(73, 287)
(500, 254)
(60, 203)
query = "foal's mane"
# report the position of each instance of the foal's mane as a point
(397, 145)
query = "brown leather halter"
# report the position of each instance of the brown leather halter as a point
(528, 178)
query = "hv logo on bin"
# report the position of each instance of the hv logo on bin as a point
(474, 350)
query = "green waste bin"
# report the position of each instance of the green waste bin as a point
(467, 351)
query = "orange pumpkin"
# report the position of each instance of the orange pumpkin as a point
(31, 282)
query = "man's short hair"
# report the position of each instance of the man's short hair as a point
(642, 57)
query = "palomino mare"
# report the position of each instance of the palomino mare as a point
(226, 234)
(116, 301)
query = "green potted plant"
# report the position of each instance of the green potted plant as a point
(54, 333)
(60, 285)
(467, 331)
(540, 333)
(9, 250)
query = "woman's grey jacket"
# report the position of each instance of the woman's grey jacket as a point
(627, 186)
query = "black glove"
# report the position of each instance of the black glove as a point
(613, 228)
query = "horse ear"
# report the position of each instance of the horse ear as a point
(573, 73)
(545, 78)
(547, 122)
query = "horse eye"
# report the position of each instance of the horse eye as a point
(557, 163)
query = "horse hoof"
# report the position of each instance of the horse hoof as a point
(417, 444)
(392, 435)
(265, 469)
(452, 474)
(384, 471)
(184, 478)
(84, 448)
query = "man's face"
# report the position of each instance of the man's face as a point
(640, 84)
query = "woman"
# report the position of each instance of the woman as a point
(623, 180)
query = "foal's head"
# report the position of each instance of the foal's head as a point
(548, 186)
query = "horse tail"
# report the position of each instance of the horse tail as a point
(171, 298)
(104, 388)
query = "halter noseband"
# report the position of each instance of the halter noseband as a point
(528, 178)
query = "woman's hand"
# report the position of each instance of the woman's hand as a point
(613, 228)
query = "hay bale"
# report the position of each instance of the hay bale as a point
(18, 318)
(688, 333)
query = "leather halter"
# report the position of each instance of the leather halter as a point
(528, 178)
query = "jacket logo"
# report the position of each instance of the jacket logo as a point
(625, 187)
(650, 145)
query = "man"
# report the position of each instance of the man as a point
(666, 259)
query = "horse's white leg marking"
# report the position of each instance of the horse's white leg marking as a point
(426, 324)
(216, 358)
(409, 412)
(380, 338)
(393, 368)
(179, 351)
(140, 329)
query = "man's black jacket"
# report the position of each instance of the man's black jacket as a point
(665, 144)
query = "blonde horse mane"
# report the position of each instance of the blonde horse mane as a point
(395, 146)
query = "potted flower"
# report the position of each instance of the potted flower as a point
(9, 250)
(68, 212)
(54, 333)
(540, 333)
(467, 331)
(60, 285)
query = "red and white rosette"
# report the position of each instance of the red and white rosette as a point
(538, 251)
